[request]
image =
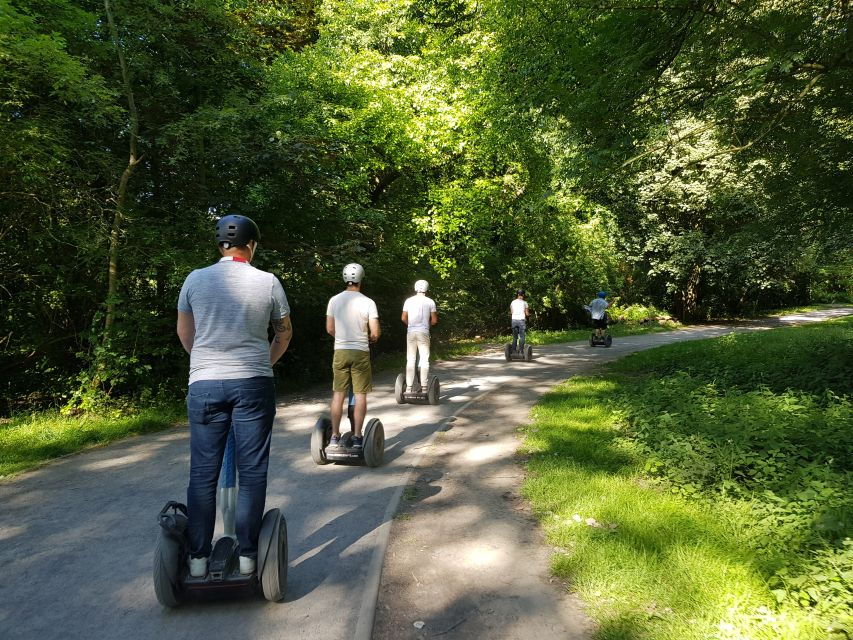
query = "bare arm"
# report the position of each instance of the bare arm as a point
(526, 312)
(186, 330)
(374, 330)
(283, 329)
(433, 318)
(330, 325)
(405, 318)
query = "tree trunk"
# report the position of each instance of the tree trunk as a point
(133, 160)
(687, 302)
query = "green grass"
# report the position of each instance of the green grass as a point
(535, 337)
(703, 490)
(782, 311)
(29, 441)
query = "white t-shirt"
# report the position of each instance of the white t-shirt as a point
(597, 307)
(518, 307)
(419, 308)
(351, 311)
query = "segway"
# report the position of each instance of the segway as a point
(172, 580)
(371, 452)
(525, 354)
(601, 341)
(418, 394)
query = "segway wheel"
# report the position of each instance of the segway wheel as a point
(320, 438)
(374, 443)
(433, 390)
(508, 352)
(528, 353)
(592, 340)
(608, 340)
(399, 388)
(167, 569)
(272, 556)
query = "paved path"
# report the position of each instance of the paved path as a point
(76, 537)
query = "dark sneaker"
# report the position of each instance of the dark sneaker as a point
(335, 441)
(357, 442)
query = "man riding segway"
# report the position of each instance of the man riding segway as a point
(419, 314)
(353, 320)
(223, 314)
(519, 311)
(598, 314)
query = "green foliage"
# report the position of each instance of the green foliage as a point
(31, 440)
(718, 457)
(717, 134)
(481, 145)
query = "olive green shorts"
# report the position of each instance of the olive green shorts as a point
(351, 366)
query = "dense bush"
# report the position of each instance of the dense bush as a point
(703, 489)
(759, 422)
(482, 145)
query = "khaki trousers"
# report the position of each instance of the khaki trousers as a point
(417, 345)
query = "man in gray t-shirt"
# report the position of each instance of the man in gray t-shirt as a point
(232, 305)
(224, 311)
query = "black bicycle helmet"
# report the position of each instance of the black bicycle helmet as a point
(520, 292)
(236, 231)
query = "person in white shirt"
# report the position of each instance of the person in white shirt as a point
(597, 309)
(519, 311)
(352, 319)
(419, 314)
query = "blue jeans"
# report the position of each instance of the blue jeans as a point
(518, 327)
(213, 407)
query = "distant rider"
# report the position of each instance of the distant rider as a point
(419, 314)
(224, 311)
(519, 311)
(598, 310)
(353, 320)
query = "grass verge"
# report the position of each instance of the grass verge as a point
(31, 440)
(703, 490)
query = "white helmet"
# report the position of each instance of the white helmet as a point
(421, 286)
(354, 273)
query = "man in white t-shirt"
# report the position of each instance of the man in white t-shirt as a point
(519, 311)
(352, 319)
(598, 311)
(419, 314)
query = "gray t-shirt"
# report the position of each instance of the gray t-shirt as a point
(232, 305)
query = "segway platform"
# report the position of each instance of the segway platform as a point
(420, 395)
(604, 341)
(518, 354)
(371, 453)
(172, 579)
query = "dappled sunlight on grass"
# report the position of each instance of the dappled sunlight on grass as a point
(613, 463)
(26, 442)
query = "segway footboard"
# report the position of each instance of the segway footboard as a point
(525, 354)
(421, 395)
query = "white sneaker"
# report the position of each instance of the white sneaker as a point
(247, 565)
(198, 567)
